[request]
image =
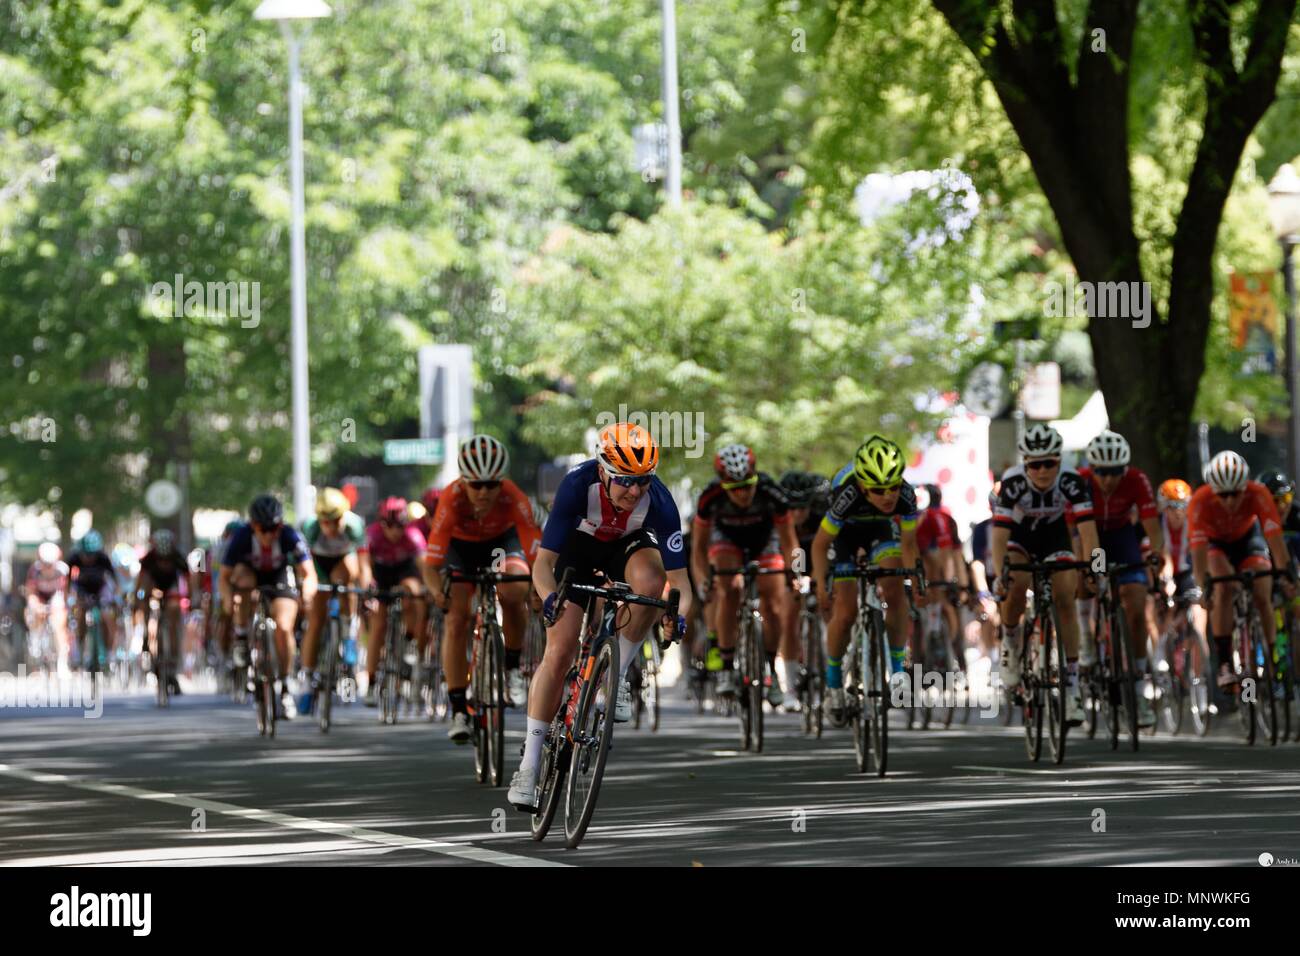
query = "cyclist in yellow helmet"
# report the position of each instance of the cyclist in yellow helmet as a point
(873, 512)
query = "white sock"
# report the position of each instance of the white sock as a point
(626, 651)
(533, 740)
(791, 675)
(1141, 666)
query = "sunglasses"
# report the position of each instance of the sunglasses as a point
(264, 530)
(631, 481)
(393, 522)
(1042, 464)
(746, 483)
(1113, 471)
(1226, 494)
(483, 485)
(882, 489)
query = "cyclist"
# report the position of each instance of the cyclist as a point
(939, 542)
(1037, 499)
(742, 516)
(1283, 491)
(94, 582)
(336, 537)
(982, 573)
(260, 554)
(483, 523)
(1233, 525)
(809, 496)
(395, 548)
(612, 517)
(1172, 499)
(872, 510)
(47, 586)
(162, 568)
(1118, 491)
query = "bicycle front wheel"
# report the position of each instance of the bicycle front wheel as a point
(550, 776)
(325, 694)
(1033, 692)
(496, 709)
(593, 729)
(1266, 699)
(878, 696)
(1056, 680)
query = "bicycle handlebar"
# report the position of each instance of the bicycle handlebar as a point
(618, 593)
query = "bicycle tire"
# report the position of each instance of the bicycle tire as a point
(879, 696)
(1266, 700)
(325, 694)
(1056, 680)
(551, 775)
(757, 662)
(591, 750)
(1173, 693)
(856, 702)
(496, 708)
(1032, 694)
(1125, 676)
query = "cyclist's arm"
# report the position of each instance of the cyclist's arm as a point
(365, 574)
(821, 547)
(544, 571)
(789, 541)
(1000, 535)
(907, 541)
(1088, 543)
(1155, 533)
(680, 579)
(305, 572)
(700, 550)
(1278, 549)
(433, 579)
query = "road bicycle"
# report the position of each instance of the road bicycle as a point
(643, 678)
(579, 737)
(751, 654)
(1252, 658)
(1183, 680)
(812, 672)
(939, 656)
(263, 660)
(1109, 689)
(336, 658)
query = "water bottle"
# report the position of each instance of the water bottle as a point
(350, 651)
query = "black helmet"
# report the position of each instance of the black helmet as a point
(804, 489)
(1276, 482)
(266, 511)
(936, 495)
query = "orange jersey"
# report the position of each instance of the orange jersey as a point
(455, 519)
(1208, 518)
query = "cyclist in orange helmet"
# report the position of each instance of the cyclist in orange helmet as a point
(613, 516)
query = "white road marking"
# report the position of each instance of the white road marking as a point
(332, 828)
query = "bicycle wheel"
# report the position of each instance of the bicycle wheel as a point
(1198, 688)
(1032, 693)
(496, 708)
(1172, 692)
(593, 728)
(651, 688)
(1124, 676)
(550, 775)
(1056, 680)
(162, 666)
(1262, 667)
(438, 697)
(757, 660)
(878, 696)
(329, 679)
(634, 685)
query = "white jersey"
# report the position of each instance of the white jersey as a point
(1020, 503)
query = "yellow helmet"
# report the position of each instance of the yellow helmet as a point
(331, 504)
(879, 462)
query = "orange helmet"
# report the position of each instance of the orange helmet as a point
(625, 449)
(1175, 490)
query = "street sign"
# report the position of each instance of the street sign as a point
(987, 391)
(163, 498)
(1012, 329)
(413, 451)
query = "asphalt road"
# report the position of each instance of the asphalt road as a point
(197, 786)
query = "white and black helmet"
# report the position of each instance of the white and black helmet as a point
(734, 463)
(1040, 441)
(1108, 450)
(483, 458)
(1226, 471)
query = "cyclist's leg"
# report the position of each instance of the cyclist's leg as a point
(1220, 617)
(728, 590)
(284, 610)
(644, 570)
(327, 569)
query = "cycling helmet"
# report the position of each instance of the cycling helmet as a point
(1227, 471)
(1040, 441)
(1277, 483)
(802, 488)
(483, 458)
(48, 552)
(430, 499)
(1108, 450)
(878, 462)
(231, 527)
(625, 449)
(1174, 491)
(164, 542)
(734, 462)
(331, 504)
(393, 509)
(92, 541)
(266, 511)
(415, 511)
(936, 495)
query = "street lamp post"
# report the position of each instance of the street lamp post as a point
(671, 120)
(1284, 211)
(289, 13)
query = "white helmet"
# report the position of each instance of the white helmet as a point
(734, 463)
(1226, 471)
(1040, 441)
(47, 552)
(1108, 450)
(483, 458)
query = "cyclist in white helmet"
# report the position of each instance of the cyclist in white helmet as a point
(1036, 500)
(1233, 525)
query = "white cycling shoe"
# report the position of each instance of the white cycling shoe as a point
(516, 688)
(459, 731)
(523, 790)
(1146, 713)
(833, 706)
(790, 703)
(726, 683)
(623, 706)
(1073, 707)
(1009, 665)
